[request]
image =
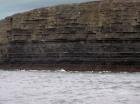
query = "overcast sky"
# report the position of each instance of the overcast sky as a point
(9, 7)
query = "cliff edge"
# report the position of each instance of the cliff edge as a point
(98, 33)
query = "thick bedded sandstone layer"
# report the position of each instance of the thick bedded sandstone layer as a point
(98, 33)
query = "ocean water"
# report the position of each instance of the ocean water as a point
(60, 87)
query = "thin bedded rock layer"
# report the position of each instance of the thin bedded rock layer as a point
(98, 33)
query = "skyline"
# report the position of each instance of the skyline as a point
(8, 8)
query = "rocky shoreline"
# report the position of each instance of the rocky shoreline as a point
(70, 67)
(75, 36)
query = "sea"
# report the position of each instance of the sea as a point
(62, 87)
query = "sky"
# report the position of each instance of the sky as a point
(10, 7)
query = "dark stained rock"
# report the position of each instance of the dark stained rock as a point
(98, 33)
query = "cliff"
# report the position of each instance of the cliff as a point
(98, 33)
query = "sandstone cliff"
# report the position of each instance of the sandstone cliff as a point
(98, 33)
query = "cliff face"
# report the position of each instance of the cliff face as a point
(103, 32)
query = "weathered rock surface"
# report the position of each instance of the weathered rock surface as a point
(96, 33)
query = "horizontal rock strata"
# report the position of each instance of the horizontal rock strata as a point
(98, 33)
